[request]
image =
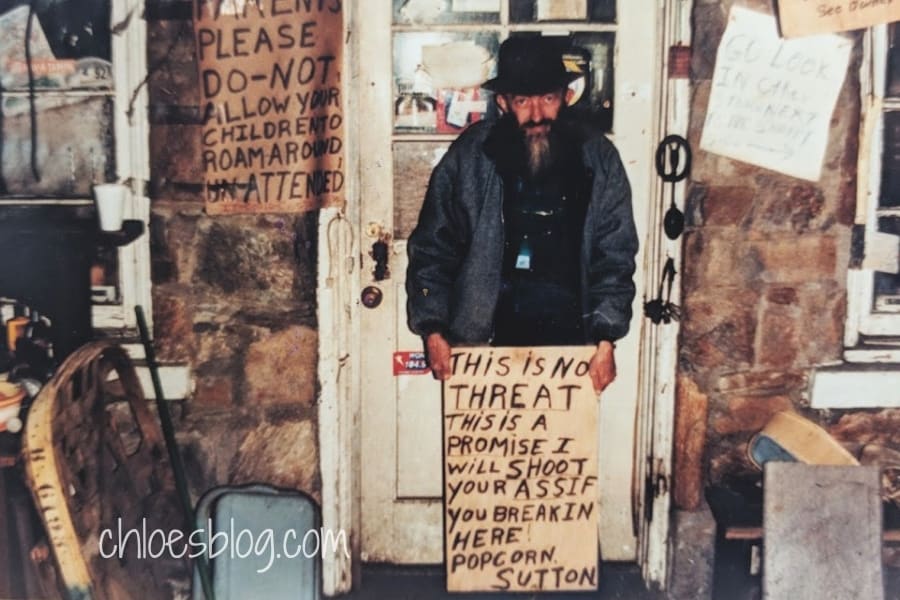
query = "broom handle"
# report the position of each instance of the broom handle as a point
(168, 429)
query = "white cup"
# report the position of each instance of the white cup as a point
(110, 201)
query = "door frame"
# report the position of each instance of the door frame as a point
(654, 447)
(339, 262)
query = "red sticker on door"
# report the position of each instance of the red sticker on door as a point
(410, 363)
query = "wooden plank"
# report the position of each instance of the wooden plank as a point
(890, 536)
(744, 533)
(418, 397)
(520, 450)
(823, 529)
(854, 387)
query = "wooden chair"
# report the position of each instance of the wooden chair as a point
(96, 463)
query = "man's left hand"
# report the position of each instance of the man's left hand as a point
(603, 366)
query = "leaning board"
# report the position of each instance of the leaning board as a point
(520, 470)
(823, 532)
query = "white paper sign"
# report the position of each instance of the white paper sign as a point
(881, 252)
(772, 99)
(569, 10)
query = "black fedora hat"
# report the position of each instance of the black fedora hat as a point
(528, 66)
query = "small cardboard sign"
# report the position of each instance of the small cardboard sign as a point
(410, 363)
(520, 470)
(802, 17)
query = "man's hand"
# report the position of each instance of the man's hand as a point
(438, 351)
(603, 366)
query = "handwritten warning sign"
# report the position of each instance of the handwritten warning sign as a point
(270, 73)
(771, 99)
(520, 466)
(803, 17)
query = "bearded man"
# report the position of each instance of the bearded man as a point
(526, 236)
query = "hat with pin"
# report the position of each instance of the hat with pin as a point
(530, 66)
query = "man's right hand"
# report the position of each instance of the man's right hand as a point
(438, 351)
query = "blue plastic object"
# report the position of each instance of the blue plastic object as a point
(763, 449)
(263, 543)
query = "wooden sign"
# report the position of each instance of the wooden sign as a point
(802, 17)
(520, 470)
(772, 99)
(270, 76)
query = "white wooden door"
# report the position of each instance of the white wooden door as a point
(400, 139)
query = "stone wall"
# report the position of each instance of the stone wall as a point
(763, 291)
(234, 297)
(764, 281)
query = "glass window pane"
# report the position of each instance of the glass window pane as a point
(437, 80)
(446, 12)
(48, 251)
(597, 98)
(413, 163)
(893, 62)
(69, 45)
(890, 170)
(74, 145)
(592, 11)
(602, 11)
(887, 293)
(887, 285)
(105, 276)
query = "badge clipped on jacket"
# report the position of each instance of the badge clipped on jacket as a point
(523, 259)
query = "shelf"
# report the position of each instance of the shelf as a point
(131, 230)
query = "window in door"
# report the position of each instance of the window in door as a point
(443, 50)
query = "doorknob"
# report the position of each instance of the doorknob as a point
(371, 296)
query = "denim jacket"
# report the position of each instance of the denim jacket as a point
(456, 250)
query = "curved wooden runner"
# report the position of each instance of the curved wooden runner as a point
(97, 465)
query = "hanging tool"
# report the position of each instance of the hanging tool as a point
(381, 250)
(668, 161)
(659, 310)
(380, 253)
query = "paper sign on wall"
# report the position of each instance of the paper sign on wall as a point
(270, 77)
(550, 10)
(802, 17)
(520, 470)
(771, 99)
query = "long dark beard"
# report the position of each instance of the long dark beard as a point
(519, 155)
(540, 152)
